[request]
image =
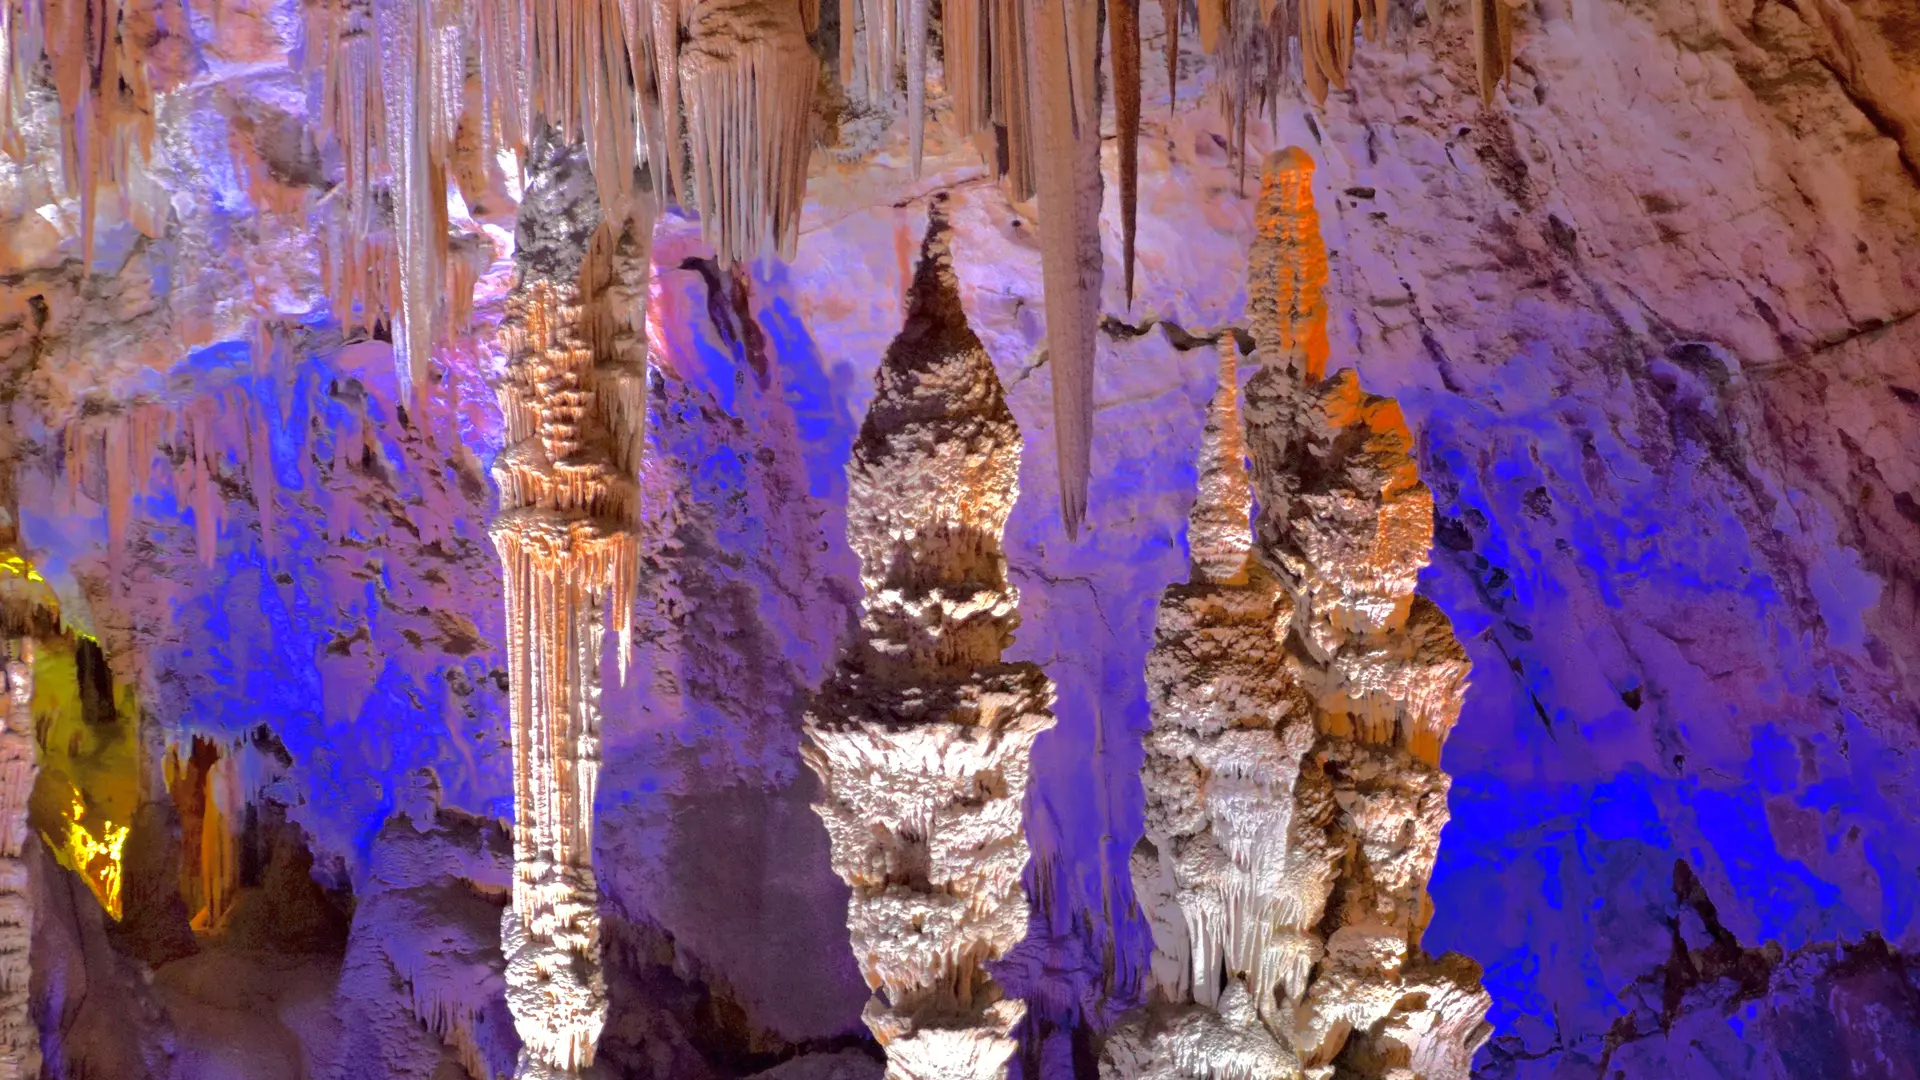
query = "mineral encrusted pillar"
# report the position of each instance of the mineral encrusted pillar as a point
(574, 409)
(19, 764)
(1294, 796)
(1346, 526)
(921, 737)
(1231, 864)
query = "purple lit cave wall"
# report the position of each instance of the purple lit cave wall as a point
(285, 757)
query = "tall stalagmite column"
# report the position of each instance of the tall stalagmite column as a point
(28, 610)
(1294, 796)
(573, 399)
(921, 738)
(19, 764)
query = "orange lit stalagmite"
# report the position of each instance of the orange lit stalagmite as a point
(573, 401)
(1294, 795)
(921, 738)
(1346, 525)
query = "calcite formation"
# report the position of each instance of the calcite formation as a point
(19, 1036)
(1294, 796)
(574, 406)
(921, 737)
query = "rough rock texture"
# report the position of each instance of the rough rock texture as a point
(428, 925)
(1294, 803)
(19, 1038)
(921, 738)
(1648, 319)
(569, 551)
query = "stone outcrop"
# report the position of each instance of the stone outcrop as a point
(574, 409)
(1294, 798)
(922, 735)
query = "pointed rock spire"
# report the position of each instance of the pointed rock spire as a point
(921, 737)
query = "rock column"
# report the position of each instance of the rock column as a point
(573, 399)
(19, 764)
(1294, 796)
(921, 737)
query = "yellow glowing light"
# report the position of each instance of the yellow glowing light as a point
(16, 566)
(96, 860)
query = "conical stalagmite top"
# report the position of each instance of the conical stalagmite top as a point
(935, 472)
(922, 735)
(1219, 528)
(1287, 269)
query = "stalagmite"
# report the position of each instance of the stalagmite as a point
(1294, 796)
(1065, 59)
(921, 736)
(567, 547)
(19, 1036)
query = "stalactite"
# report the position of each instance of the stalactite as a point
(567, 547)
(748, 75)
(921, 737)
(97, 51)
(1012, 112)
(1492, 44)
(1294, 796)
(1212, 21)
(849, 19)
(916, 80)
(1170, 13)
(1123, 24)
(19, 766)
(1065, 60)
(964, 48)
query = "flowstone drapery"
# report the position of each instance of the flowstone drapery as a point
(1294, 796)
(573, 398)
(921, 738)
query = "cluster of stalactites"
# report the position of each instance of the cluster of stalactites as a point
(922, 736)
(19, 765)
(573, 398)
(118, 457)
(1263, 45)
(1294, 798)
(714, 96)
(97, 52)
